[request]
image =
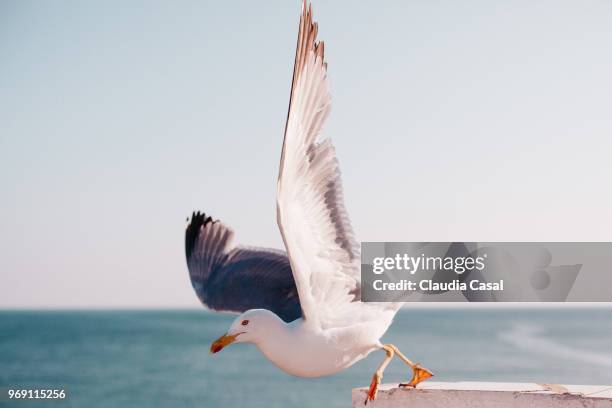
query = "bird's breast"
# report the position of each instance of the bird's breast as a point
(308, 353)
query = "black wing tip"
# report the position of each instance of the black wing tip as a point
(198, 220)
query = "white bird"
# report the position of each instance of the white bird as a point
(303, 309)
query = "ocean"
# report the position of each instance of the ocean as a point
(160, 358)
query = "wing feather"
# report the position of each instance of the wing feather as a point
(236, 279)
(311, 214)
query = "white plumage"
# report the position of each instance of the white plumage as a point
(336, 329)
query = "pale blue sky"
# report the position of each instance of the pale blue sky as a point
(475, 120)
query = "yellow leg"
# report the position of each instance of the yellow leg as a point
(377, 377)
(418, 373)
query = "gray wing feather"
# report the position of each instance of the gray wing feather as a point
(236, 279)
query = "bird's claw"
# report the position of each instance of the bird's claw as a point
(419, 374)
(373, 389)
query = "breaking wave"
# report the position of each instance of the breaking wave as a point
(533, 339)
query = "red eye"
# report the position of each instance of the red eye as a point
(245, 322)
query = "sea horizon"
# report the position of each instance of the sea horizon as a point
(160, 357)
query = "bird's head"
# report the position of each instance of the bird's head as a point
(249, 327)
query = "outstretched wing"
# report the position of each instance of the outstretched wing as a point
(236, 279)
(310, 206)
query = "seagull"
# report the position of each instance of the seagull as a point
(301, 308)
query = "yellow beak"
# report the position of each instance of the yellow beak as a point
(223, 341)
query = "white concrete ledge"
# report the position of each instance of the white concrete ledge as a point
(432, 394)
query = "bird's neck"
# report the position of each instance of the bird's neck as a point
(278, 333)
